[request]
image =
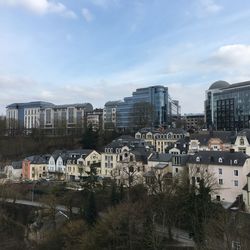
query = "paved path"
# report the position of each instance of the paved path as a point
(179, 235)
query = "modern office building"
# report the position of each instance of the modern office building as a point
(193, 121)
(147, 107)
(110, 115)
(227, 106)
(45, 115)
(25, 115)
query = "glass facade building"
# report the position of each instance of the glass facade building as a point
(228, 106)
(157, 99)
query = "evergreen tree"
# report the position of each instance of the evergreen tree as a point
(90, 210)
(90, 138)
(114, 195)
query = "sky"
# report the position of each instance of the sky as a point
(76, 51)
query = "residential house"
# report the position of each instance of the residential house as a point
(211, 141)
(224, 171)
(35, 167)
(161, 138)
(242, 142)
(179, 147)
(124, 150)
(79, 163)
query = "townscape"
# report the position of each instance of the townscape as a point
(155, 155)
(124, 125)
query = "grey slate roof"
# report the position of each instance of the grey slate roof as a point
(37, 159)
(204, 136)
(245, 132)
(126, 140)
(17, 164)
(182, 144)
(161, 157)
(68, 154)
(141, 154)
(161, 166)
(163, 131)
(212, 157)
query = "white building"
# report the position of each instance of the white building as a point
(225, 172)
(242, 142)
(124, 152)
(14, 171)
(161, 139)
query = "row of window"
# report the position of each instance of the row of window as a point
(220, 160)
(236, 182)
(163, 136)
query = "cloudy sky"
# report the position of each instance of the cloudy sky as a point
(67, 51)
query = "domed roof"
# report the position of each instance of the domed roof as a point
(219, 85)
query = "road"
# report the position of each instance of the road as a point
(75, 210)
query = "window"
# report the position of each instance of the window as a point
(241, 141)
(236, 245)
(217, 197)
(197, 159)
(236, 173)
(220, 170)
(221, 181)
(235, 162)
(236, 183)
(220, 160)
(198, 179)
(176, 170)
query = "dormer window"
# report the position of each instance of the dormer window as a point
(198, 159)
(220, 160)
(235, 162)
(241, 141)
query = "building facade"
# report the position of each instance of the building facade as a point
(161, 139)
(110, 115)
(227, 107)
(225, 172)
(151, 106)
(95, 119)
(45, 115)
(193, 121)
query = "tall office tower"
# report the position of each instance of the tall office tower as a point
(147, 107)
(227, 106)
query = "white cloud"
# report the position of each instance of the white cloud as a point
(87, 15)
(210, 6)
(204, 8)
(41, 7)
(105, 3)
(235, 55)
(232, 61)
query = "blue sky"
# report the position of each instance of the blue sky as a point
(99, 50)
